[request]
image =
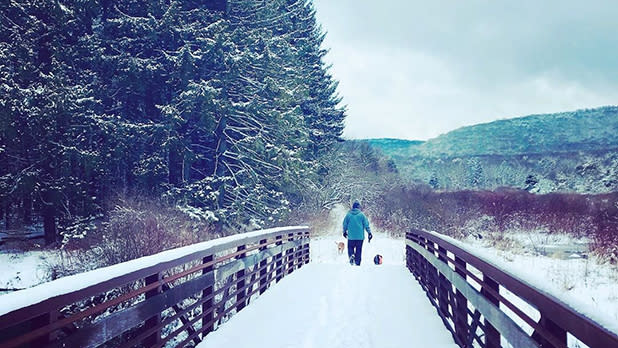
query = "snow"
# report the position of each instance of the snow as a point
(31, 232)
(324, 250)
(39, 293)
(329, 303)
(582, 284)
(24, 269)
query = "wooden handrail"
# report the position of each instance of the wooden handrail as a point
(427, 255)
(135, 307)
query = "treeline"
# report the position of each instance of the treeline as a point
(224, 111)
(354, 170)
(463, 213)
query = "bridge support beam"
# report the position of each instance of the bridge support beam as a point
(263, 269)
(278, 261)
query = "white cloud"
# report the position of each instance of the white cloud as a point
(416, 69)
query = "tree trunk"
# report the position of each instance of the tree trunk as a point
(27, 210)
(174, 165)
(49, 218)
(7, 215)
(220, 170)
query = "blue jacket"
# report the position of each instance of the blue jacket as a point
(355, 223)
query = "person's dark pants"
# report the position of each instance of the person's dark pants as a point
(355, 247)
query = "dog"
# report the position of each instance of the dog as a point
(340, 247)
(377, 259)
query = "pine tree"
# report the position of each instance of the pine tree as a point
(225, 113)
(47, 110)
(323, 115)
(260, 132)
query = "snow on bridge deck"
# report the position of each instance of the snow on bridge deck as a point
(329, 303)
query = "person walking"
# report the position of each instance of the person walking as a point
(355, 224)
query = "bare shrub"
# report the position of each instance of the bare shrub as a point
(138, 229)
(502, 241)
(489, 213)
(605, 241)
(132, 229)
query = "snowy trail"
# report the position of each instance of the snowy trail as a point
(329, 303)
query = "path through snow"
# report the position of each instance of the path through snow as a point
(329, 303)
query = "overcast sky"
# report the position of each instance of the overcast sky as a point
(414, 69)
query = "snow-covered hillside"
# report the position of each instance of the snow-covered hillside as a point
(563, 152)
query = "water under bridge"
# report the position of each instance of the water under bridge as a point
(270, 289)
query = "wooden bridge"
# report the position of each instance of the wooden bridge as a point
(179, 297)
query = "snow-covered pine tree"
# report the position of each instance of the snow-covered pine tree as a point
(132, 84)
(222, 113)
(261, 134)
(322, 114)
(47, 111)
(193, 111)
(321, 107)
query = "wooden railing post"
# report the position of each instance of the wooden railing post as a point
(559, 333)
(492, 336)
(298, 255)
(416, 258)
(443, 285)
(279, 261)
(409, 259)
(432, 273)
(306, 250)
(290, 256)
(410, 262)
(263, 270)
(423, 264)
(208, 310)
(460, 312)
(154, 321)
(241, 282)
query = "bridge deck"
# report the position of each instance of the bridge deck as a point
(338, 305)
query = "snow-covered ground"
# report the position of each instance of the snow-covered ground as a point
(584, 284)
(19, 270)
(323, 246)
(332, 304)
(337, 305)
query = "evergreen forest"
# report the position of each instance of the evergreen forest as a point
(222, 112)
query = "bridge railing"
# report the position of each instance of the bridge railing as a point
(173, 298)
(484, 306)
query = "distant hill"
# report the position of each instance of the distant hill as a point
(587, 130)
(395, 147)
(568, 151)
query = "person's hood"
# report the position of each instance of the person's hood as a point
(355, 211)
